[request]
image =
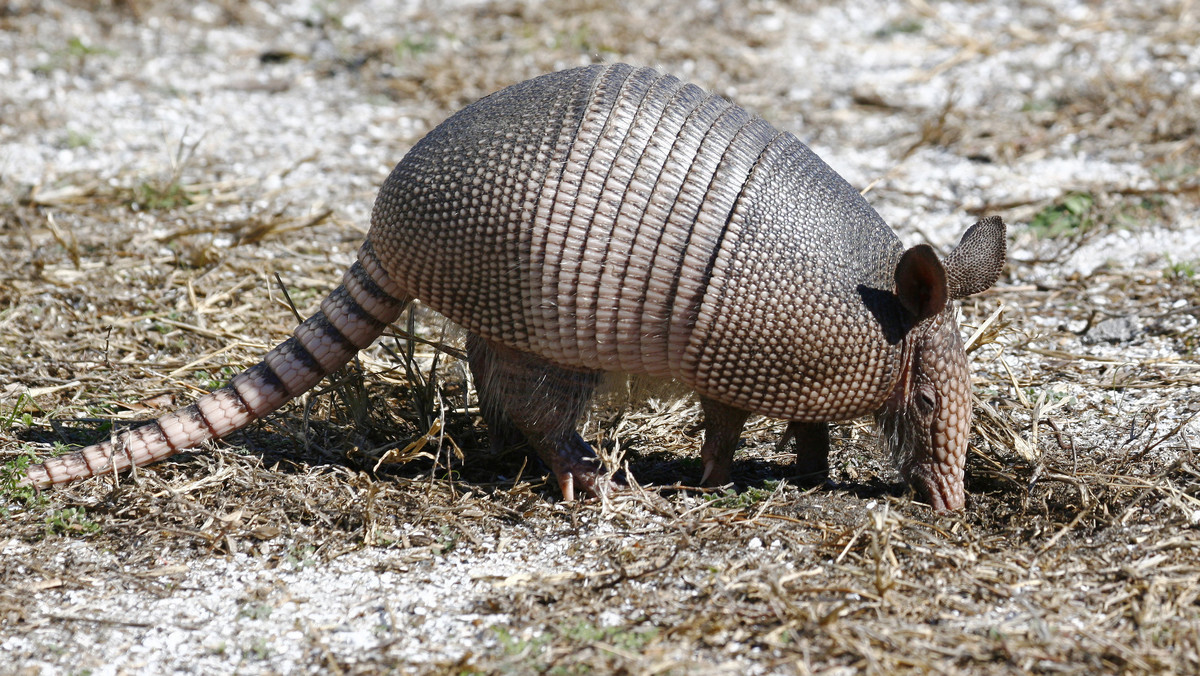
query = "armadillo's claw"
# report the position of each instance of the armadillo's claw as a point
(722, 427)
(566, 484)
(592, 480)
(576, 466)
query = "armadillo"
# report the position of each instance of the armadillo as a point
(614, 219)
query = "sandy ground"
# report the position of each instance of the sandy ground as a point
(161, 161)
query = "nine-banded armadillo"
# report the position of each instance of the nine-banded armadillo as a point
(610, 218)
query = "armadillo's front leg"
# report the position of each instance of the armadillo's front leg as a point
(544, 402)
(722, 429)
(812, 450)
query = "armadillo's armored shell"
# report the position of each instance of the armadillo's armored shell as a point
(612, 218)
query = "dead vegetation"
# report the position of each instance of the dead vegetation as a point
(1078, 550)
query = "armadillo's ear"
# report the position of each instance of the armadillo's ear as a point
(921, 282)
(976, 263)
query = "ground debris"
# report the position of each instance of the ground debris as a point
(165, 166)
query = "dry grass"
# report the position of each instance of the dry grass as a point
(1078, 550)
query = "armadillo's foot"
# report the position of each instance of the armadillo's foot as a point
(722, 428)
(812, 450)
(525, 396)
(576, 466)
(595, 484)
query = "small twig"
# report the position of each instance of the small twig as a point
(1168, 435)
(1069, 446)
(101, 620)
(288, 297)
(970, 344)
(1153, 485)
(1065, 529)
(624, 576)
(436, 345)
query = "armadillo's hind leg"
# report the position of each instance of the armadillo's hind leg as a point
(543, 402)
(502, 433)
(722, 429)
(812, 450)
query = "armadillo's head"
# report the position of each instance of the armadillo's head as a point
(927, 420)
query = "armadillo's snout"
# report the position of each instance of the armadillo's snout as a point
(938, 469)
(929, 459)
(940, 434)
(941, 485)
(927, 423)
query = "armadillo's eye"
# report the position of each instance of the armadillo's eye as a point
(925, 399)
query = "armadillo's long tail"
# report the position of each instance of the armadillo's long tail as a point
(350, 319)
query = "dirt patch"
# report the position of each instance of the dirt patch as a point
(161, 163)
